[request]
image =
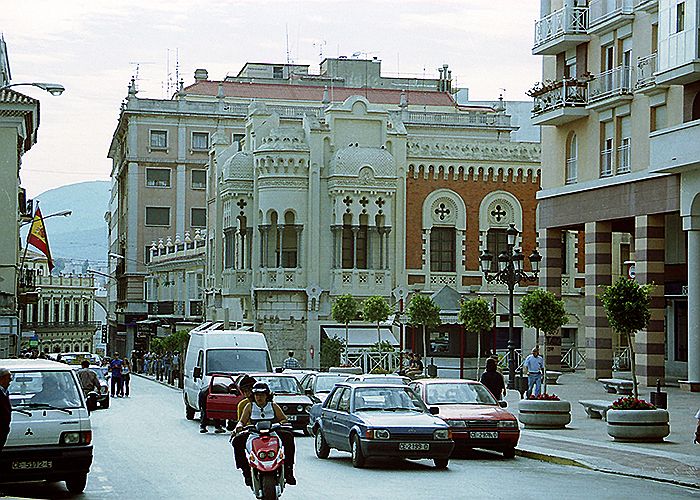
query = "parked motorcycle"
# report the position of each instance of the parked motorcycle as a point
(266, 458)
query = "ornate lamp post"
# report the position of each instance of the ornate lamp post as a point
(510, 273)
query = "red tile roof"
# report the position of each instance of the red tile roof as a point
(313, 93)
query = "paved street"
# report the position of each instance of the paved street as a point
(145, 448)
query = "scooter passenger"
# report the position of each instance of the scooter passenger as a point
(264, 409)
(239, 440)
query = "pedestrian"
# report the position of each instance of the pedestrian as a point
(697, 429)
(126, 378)
(203, 420)
(5, 406)
(115, 368)
(416, 367)
(168, 361)
(291, 362)
(176, 368)
(534, 364)
(88, 378)
(493, 380)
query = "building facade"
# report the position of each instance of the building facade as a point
(619, 109)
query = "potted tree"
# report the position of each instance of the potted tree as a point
(423, 311)
(626, 304)
(477, 317)
(375, 309)
(345, 309)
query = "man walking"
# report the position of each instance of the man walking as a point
(5, 407)
(534, 364)
(115, 367)
(88, 378)
(291, 362)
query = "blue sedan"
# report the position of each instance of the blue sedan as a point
(380, 420)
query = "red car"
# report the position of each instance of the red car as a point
(223, 397)
(475, 418)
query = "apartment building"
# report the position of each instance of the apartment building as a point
(618, 105)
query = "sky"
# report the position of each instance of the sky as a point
(94, 47)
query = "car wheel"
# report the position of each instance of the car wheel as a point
(358, 459)
(320, 445)
(509, 453)
(441, 463)
(76, 484)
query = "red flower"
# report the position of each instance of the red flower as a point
(544, 397)
(631, 403)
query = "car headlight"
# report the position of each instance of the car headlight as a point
(441, 434)
(507, 424)
(456, 423)
(377, 434)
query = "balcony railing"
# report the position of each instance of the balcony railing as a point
(236, 281)
(460, 119)
(646, 67)
(606, 163)
(571, 170)
(616, 81)
(56, 325)
(361, 281)
(624, 158)
(280, 278)
(562, 93)
(569, 20)
(601, 11)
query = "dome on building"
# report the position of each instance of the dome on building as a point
(239, 167)
(284, 139)
(350, 160)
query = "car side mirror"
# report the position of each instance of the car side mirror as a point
(503, 404)
(197, 372)
(434, 410)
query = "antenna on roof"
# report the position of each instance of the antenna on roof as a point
(286, 34)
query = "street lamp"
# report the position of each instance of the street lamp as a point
(510, 273)
(62, 213)
(55, 89)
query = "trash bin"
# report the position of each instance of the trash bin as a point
(521, 384)
(658, 398)
(431, 370)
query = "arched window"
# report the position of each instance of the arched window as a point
(86, 348)
(289, 241)
(273, 256)
(444, 224)
(361, 243)
(348, 249)
(571, 159)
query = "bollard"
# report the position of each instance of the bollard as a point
(658, 398)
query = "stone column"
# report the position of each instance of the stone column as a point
(598, 273)
(550, 278)
(248, 248)
(380, 231)
(280, 235)
(299, 228)
(334, 231)
(694, 306)
(387, 244)
(370, 233)
(649, 247)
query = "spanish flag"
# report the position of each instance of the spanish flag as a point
(37, 237)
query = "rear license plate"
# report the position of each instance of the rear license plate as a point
(291, 418)
(33, 464)
(414, 446)
(483, 435)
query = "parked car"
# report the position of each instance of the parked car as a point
(380, 420)
(320, 385)
(75, 358)
(476, 419)
(289, 396)
(223, 398)
(298, 374)
(389, 378)
(50, 434)
(103, 396)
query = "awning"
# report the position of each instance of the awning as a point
(362, 337)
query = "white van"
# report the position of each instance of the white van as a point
(214, 350)
(50, 434)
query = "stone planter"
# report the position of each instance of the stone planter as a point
(542, 414)
(638, 425)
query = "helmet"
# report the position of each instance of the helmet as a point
(262, 388)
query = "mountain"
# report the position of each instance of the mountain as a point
(82, 235)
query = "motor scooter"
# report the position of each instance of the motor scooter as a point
(265, 455)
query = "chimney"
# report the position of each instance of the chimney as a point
(201, 75)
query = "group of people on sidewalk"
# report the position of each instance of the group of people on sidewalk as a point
(164, 367)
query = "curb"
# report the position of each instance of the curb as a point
(165, 384)
(545, 457)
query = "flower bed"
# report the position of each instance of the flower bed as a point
(544, 397)
(632, 403)
(632, 419)
(545, 411)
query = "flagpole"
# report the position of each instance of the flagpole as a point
(26, 244)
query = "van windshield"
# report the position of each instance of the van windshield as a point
(44, 389)
(237, 361)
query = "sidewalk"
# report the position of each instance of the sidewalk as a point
(154, 379)
(585, 442)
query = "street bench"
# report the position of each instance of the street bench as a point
(552, 377)
(596, 408)
(617, 385)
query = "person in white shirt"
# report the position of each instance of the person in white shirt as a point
(534, 364)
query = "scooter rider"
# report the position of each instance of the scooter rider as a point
(264, 409)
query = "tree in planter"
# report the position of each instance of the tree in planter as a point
(375, 309)
(626, 304)
(477, 317)
(331, 349)
(345, 309)
(542, 310)
(423, 311)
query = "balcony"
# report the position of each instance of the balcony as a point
(649, 6)
(561, 30)
(560, 102)
(236, 281)
(610, 88)
(675, 149)
(607, 15)
(361, 282)
(280, 278)
(646, 80)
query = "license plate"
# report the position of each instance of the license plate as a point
(34, 464)
(291, 418)
(483, 435)
(414, 446)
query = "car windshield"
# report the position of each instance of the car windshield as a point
(237, 361)
(326, 384)
(282, 385)
(387, 399)
(44, 389)
(458, 393)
